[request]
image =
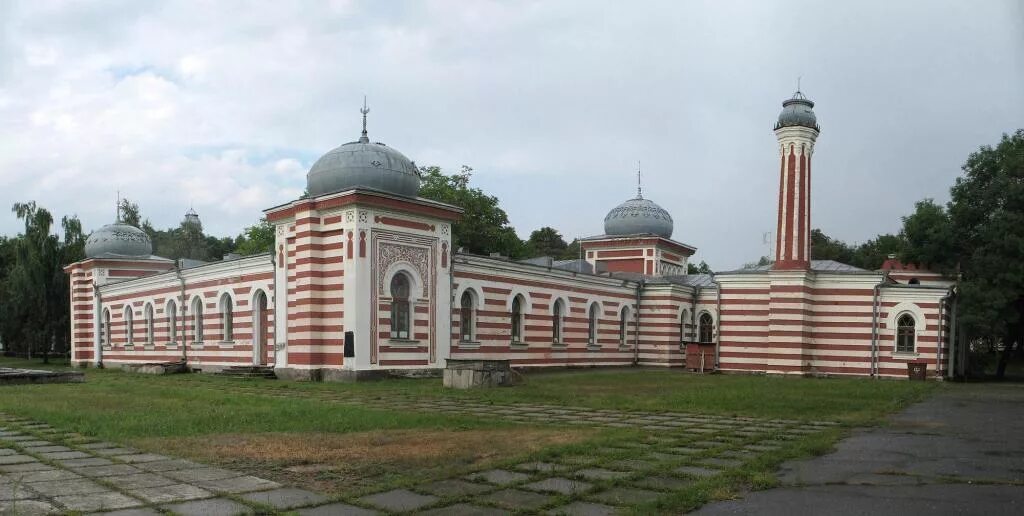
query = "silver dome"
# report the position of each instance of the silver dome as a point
(118, 239)
(638, 215)
(366, 165)
(797, 111)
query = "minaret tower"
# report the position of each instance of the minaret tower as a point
(796, 130)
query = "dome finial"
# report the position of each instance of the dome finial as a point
(117, 207)
(639, 185)
(364, 138)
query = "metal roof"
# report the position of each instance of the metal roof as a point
(816, 266)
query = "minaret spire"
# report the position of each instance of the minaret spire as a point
(364, 138)
(639, 185)
(117, 207)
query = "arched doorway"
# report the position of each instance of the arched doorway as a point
(259, 329)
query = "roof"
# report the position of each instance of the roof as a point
(816, 266)
(638, 235)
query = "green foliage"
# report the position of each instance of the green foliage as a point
(701, 268)
(256, 239)
(870, 255)
(483, 228)
(547, 241)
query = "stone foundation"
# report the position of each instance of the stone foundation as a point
(470, 374)
(10, 376)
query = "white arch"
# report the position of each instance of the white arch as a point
(565, 304)
(518, 291)
(472, 292)
(416, 290)
(920, 321)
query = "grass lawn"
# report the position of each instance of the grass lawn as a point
(298, 433)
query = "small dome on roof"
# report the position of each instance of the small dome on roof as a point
(797, 111)
(118, 239)
(364, 164)
(638, 215)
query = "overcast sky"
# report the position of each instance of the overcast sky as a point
(225, 105)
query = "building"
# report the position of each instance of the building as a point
(364, 279)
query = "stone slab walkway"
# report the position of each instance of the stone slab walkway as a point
(960, 452)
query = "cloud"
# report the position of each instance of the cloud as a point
(225, 105)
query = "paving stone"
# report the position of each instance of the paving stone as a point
(68, 487)
(85, 461)
(600, 474)
(500, 477)
(762, 447)
(140, 480)
(663, 483)
(140, 457)
(107, 471)
(286, 498)
(97, 501)
(19, 438)
(517, 499)
(28, 508)
(577, 460)
(25, 466)
(36, 442)
(168, 465)
(685, 450)
(48, 448)
(8, 451)
(664, 457)
(542, 467)
(337, 509)
(138, 511)
(171, 493)
(453, 487)
(16, 459)
(559, 485)
(15, 492)
(631, 464)
(48, 475)
(63, 455)
(464, 509)
(199, 474)
(584, 509)
(707, 444)
(398, 500)
(238, 484)
(97, 445)
(626, 496)
(107, 452)
(211, 507)
(696, 471)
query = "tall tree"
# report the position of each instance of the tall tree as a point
(256, 239)
(546, 241)
(484, 226)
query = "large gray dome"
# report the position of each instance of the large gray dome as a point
(638, 215)
(118, 239)
(798, 111)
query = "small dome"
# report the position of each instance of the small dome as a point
(797, 111)
(363, 164)
(638, 215)
(118, 239)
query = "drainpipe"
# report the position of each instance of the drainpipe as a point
(636, 334)
(181, 323)
(951, 369)
(97, 319)
(875, 300)
(938, 348)
(718, 330)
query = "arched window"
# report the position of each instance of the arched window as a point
(400, 306)
(128, 327)
(172, 322)
(707, 327)
(517, 319)
(197, 320)
(684, 317)
(105, 327)
(227, 318)
(592, 328)
(623, 326)
(466, 309)
(556, 322)
(906, 334)
(149, 324)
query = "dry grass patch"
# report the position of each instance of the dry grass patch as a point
(348, 463)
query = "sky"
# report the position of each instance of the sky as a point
(224, 105)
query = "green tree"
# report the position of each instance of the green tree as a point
(484, 227)
(256, 239)
(701, 268)
(546, 241)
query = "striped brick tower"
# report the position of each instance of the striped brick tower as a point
(796, 130)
